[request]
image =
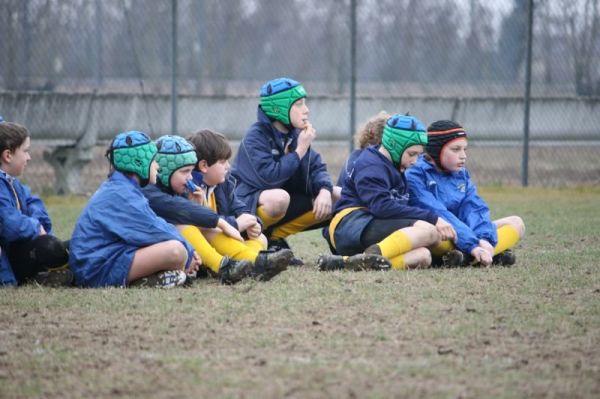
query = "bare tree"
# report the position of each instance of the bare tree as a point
(582, 30)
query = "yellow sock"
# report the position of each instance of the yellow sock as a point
(255, 244)
(398, 262)
(441, 248)
(294, 226)
(210, 257)
(395, 244)
(508, 237)
(233, 248)
(266, 219)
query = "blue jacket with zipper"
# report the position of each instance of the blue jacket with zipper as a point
(18, 224)
(116, 222)
(266, 159)
(454, 197)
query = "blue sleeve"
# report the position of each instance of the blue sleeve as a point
(258, 167)
(476, 214)
(347, 168)
(178, 210)
(235, 206)
(375, 191)
(16, 225)
(37, 210)
(422, 196)
(319, 177)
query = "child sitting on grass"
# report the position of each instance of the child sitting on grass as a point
(28, 250)
(279, 175)
(118, 240)
(374, 227)
(232, 260)
(441, 183)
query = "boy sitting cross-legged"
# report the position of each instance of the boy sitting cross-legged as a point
(170, 198)
(118, 239)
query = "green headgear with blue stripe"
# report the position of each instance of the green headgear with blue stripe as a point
(277, 97)
(174, 152)
(401, 132)
(133, 152)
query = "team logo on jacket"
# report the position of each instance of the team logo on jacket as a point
(462, 187)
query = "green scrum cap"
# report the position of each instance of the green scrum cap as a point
(401, 132)
(133, 152)
(277, 97)
(174, 152)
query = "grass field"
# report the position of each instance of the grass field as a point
(532, 330)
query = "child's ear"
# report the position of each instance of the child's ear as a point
(203, 166)
(6, 156)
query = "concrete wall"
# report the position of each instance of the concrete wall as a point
(64, 118)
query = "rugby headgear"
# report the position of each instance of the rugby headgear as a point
(439, 134)
(401, 132)
(277, 97)
(133, 152)
(174, 152)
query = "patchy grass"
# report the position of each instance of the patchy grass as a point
(532, 330)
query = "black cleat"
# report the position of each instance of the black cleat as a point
(506, 258)
(231, 271)
(268, 264)
(54, 278)
(358, 262)
(366, 261)
(453, 258)
(327, 263)
(281, 243)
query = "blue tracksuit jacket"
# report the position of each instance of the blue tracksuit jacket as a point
(176, 209)
(375, 185)
(262, 163)
(454, 197)
(116, 222)
(348, 167)
(15, 224)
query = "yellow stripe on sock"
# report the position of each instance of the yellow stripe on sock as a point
(294, 226)
(508, 237)
(395, 244)
(210, 257)
(441, 248)
(233, 248)
(266, 219)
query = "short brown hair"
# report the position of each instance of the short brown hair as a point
(370, 133)
(12, 136)
(210, 146)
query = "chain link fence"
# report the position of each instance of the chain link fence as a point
(70, 67)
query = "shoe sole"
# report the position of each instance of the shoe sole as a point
(277, 263)
(453, 258)
(241, 272)
(327, 263)
(365, 261)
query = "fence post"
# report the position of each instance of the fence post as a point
(525, 161)
(174, 67)
(352, 72)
